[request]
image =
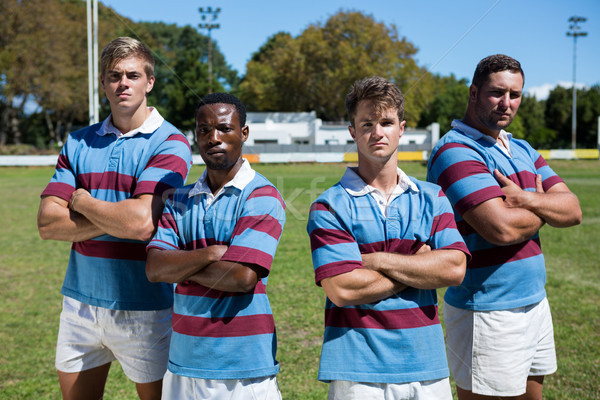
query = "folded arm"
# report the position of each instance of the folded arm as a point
(134, 218)
(360, 286)
(558, 206)
(425, 269)
(57, 222)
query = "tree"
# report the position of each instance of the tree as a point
(530, 118)
(450, 102)
(315, 70)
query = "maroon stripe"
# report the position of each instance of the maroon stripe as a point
(322, 237)
(366, 248)
(110, 180)
(62, 190)
(460, 170)
(260, 223)
(153, 246)
(202, 243)
(540, 162)
(152, 187)
(168, 162)
(167, 221)
(259, 324)
(194, 289)
(391, 319)
(63, 162)
(178, 138)
(441, 193)
(551, 181)
(404, 246)
(247, 255)
(478, 197)
(499, 255)
(335, 268)
(321, 207)
(441, 222)
(445, 148)
(267, 191)
(115, 250)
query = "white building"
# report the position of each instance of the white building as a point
(304, 128)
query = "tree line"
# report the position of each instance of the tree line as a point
(43, 62)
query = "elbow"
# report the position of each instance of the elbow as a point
(144, 232)
(342, 298)
(457, 273)
(246, 282)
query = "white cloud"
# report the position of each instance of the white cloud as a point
(542, 92)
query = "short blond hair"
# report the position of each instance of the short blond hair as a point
(122, 48)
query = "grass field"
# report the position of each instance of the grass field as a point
(31, 273)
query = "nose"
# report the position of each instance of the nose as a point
(124, 81)
(505, 100)
(214, 137)
(378, 130)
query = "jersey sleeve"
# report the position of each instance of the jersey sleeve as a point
(444, 233)
(258, 229)
(64, 182)
(167, 168)
(463, 175)
(334, 249)
(167, 233)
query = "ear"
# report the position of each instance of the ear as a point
(352, 132)
(472, 93)
(150, 84)
(245, 133)
(402, 125)
(102, 82)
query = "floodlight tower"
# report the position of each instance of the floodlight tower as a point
(210, 15)
(575, 31)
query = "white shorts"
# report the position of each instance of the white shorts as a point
(426, 390)
(177, 387)
(493, 352)
(90, 336)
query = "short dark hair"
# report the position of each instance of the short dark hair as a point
(122, 48)
(383, 93)
(225, 98)
(495, 63)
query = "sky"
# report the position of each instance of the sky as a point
(451, 36)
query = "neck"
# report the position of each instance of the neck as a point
(126, 121)
(474, 123)
(217, 178)
(383, 177)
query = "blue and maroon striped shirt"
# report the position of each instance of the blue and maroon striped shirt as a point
(221, 335)
(497, 277)
(398, 339)
(107, 271)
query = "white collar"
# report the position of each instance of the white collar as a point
(152, 123)
(355, 186)
(242, 178)
(475, 134)
(505, 137)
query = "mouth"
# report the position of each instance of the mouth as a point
(213, 152)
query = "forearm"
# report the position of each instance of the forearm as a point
(174, 266)
(55, 221)
(427, 270)
(226, 276)
(360, 286)
(557, 209)
(127, 219)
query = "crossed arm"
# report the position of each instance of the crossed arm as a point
(385, 274)
(203, 266)
(84, 217)
(521, 214)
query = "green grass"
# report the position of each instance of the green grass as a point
(31, 273)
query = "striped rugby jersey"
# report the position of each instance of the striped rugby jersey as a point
(497, 277)
(221, 335)
(107, 271)
(398, 339)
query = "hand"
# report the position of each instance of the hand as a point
(217, 251)
(75, 195)
(424, 249)
(515, 196)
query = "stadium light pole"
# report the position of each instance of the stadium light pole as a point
(209, 15)
(92, 42)
(575, 31)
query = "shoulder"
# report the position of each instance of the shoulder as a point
(262, 187)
